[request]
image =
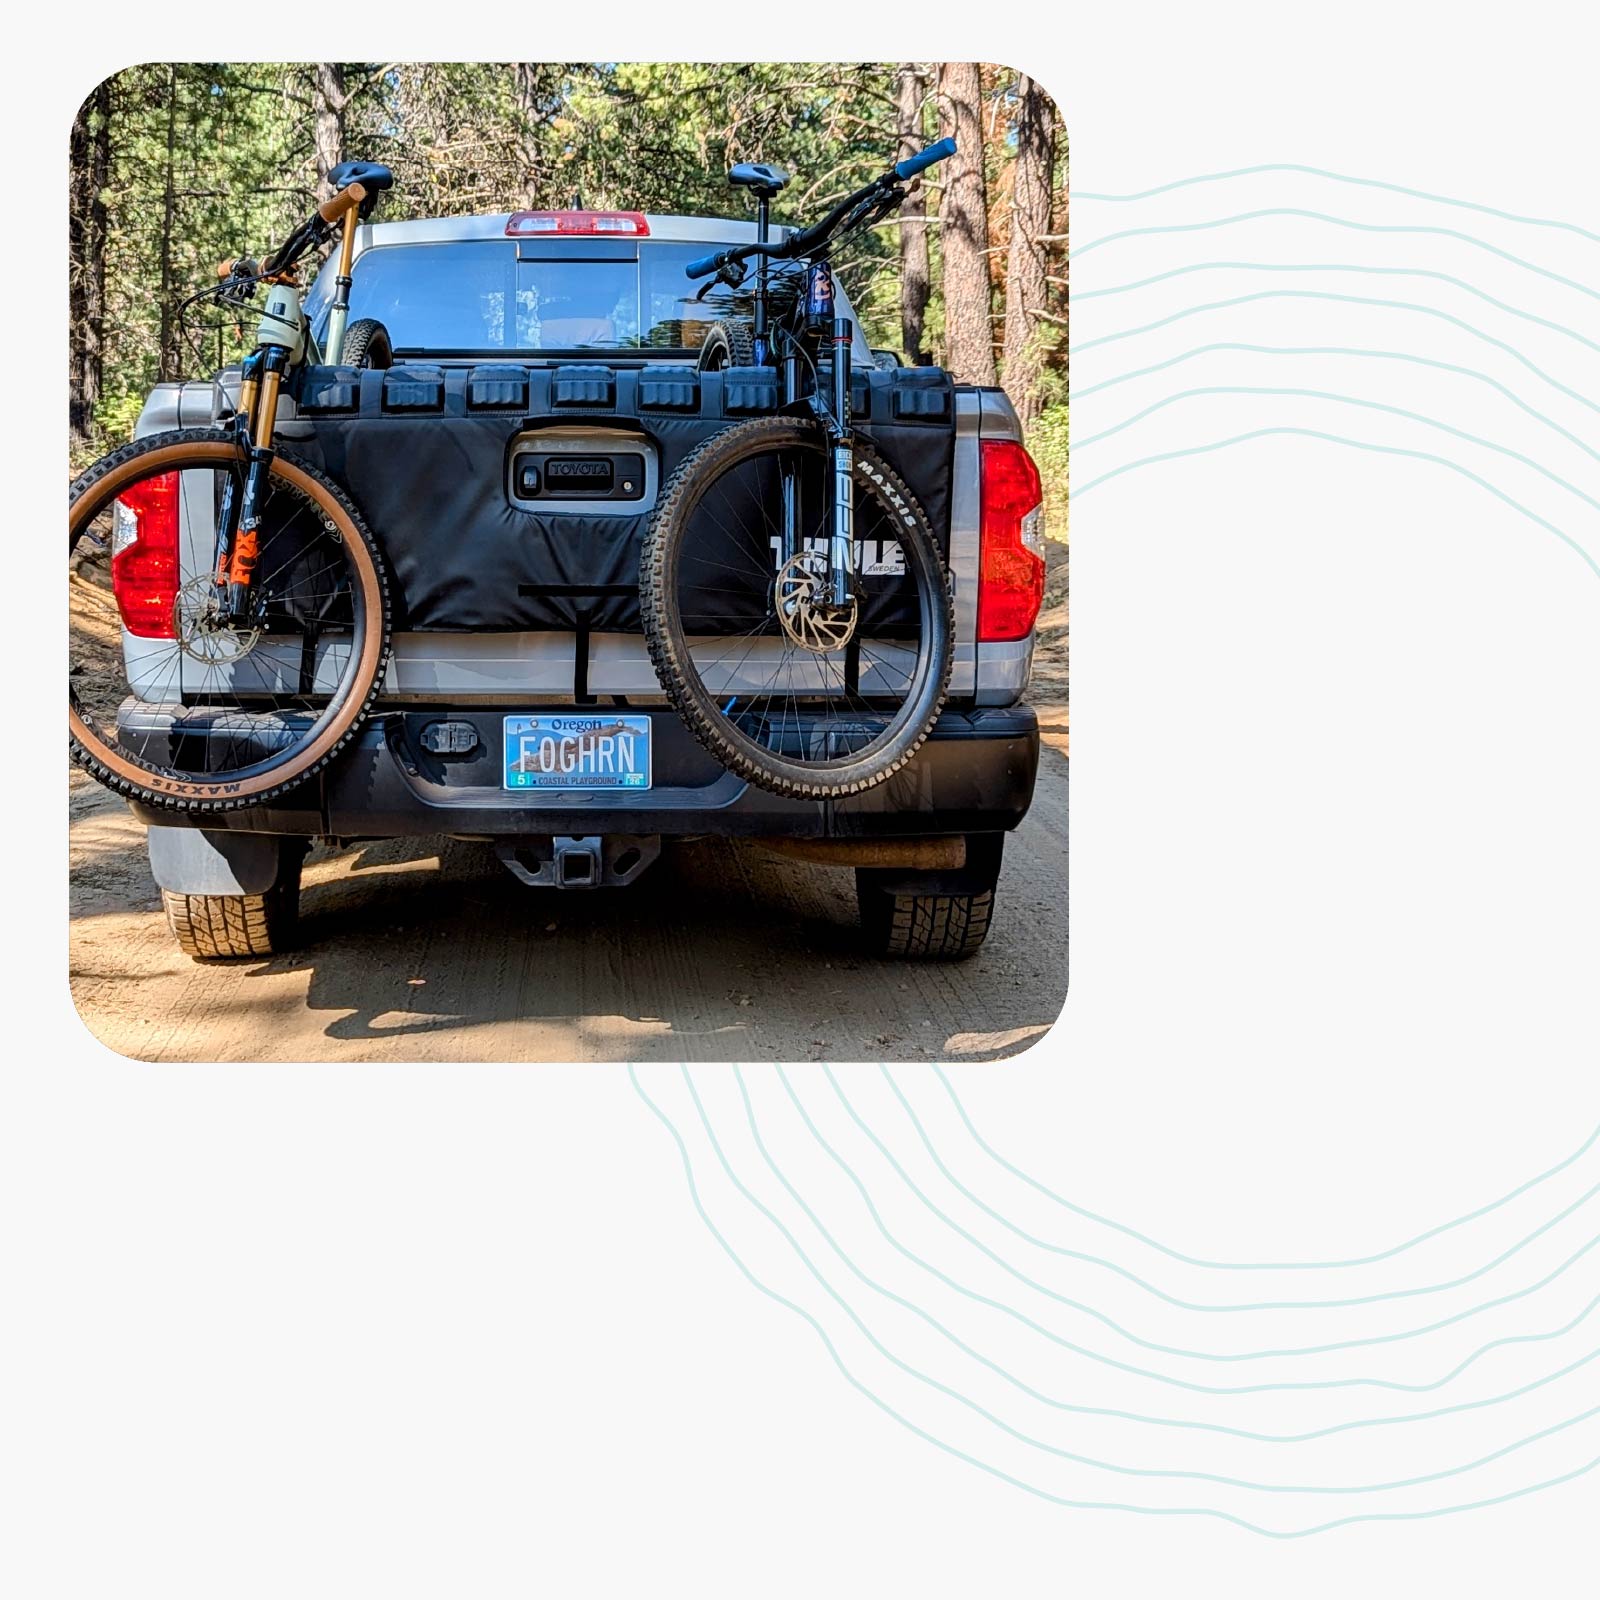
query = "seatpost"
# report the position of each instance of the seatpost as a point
(339, 309)
(763, 210)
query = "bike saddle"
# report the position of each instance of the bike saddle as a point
(758, 175)
(372, 177)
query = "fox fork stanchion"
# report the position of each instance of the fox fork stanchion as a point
(228, 503)
(246, 541)
(279, 337)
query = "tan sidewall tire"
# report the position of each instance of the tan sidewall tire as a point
(160, 789)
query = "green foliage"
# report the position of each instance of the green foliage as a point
(213, 159)
(203, 165)
(1047, 444)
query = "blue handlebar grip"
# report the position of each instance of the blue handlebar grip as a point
(704, 267)
(912, 165)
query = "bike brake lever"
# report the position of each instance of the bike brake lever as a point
(731, 273)
(237, 281)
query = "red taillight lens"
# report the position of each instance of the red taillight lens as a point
(1010, 567)
(144, 556)
(588, 224)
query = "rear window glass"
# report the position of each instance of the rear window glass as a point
(475, 296)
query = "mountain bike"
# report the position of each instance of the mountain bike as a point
(229, 613)
(800, 662)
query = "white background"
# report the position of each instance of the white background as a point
(413, 1331)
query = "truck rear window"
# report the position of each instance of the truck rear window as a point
(485, 295)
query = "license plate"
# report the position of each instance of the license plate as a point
(577, 752)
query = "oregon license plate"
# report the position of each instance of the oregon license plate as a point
(564, 751)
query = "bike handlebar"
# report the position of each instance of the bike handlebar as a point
(347, 199)
(935, 153)
(808, 239)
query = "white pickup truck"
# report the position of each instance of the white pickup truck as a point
(526, 309)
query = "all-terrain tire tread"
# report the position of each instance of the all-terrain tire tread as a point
(927, 927)
(230, 927)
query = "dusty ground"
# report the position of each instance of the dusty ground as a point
(719, 952)
(430, 950)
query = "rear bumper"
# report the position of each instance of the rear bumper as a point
(975, 774)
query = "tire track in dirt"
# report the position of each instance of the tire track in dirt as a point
(429, 950)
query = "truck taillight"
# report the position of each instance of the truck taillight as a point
(1011, 559)
(144, 556)
(587, 224)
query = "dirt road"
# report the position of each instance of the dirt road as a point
(430, 950)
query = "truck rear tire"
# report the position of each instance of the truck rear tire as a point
(931, 916)
(231, 927)
(925, 927)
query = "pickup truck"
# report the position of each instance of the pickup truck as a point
(454, 294)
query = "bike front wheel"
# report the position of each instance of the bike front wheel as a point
(176, 702)
(800, 696)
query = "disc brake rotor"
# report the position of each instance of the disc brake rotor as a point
(805, 615)
(202, 634)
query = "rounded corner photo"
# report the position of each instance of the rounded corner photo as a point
(568, 562)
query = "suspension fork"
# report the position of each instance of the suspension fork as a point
(788, 471)
(842, 543)
(239, 527)
(243, 429)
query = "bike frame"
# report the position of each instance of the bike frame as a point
(283, 341)
(832, 411)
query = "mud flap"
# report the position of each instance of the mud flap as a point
(201, 861)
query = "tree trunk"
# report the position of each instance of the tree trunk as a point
(1027, 264)
(166, 352)
(86, 232)
(537, 87)
(914, 284)
(964, 229)
(329, 98)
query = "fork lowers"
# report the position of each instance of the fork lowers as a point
(841, 552)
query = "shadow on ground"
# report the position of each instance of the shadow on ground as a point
(431, 950)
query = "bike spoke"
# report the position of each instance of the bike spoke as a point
(217, 700)
(813, 684)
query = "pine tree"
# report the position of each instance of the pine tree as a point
(1027, 257)
(964, 229)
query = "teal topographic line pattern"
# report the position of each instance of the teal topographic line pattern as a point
(1037, 1339)
(1415, 307)
(718, 1160)
(1338, 222)
(1177, 1350)
(1358, 182)
(1067, 1204)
